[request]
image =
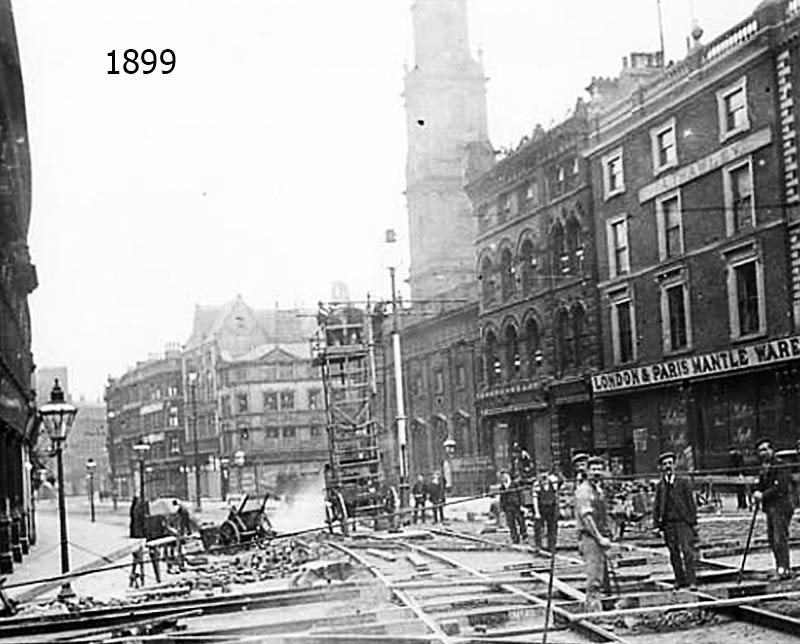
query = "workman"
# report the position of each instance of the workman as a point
(592, 520)
(511, 505)
(580, 462)
(675, 514)
(436, 493)
(773, 494)
(545, 508)
(420, 493)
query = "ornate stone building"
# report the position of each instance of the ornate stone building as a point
(18, 426)
(538, 309)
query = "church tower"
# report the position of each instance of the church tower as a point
(445, 101)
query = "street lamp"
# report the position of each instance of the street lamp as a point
(393, 261)
(141, 448)
(238, 458)
(192, 376)
(57, 417)
(91, 465)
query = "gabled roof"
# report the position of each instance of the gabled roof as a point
(263, 327)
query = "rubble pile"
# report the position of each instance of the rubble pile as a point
(673, 620)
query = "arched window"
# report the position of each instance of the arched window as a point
(532, 347)
(527, 266)
(578, 321)
(574, 247)
(494, 367)
(558, 250)
(513, 357)
(487, 281)
(506, 273)
(564, 339)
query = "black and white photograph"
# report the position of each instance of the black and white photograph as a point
(399, 321)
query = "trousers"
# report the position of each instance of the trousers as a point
(778, 518)
(516, 525)
(419, 509)
(594, 559)
(548, 522)
(680, 539)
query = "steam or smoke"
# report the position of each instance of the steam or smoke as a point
(302, 509)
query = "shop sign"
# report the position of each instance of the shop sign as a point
(706, 364)
(707, 164)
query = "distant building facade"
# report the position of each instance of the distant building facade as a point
(18, 425)
(255, 393)
(87, 439)
(146, 404)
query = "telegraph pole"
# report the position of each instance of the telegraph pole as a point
(398, 391)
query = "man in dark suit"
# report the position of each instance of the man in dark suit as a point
(774, 496)
(675, 513)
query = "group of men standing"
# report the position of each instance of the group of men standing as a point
(524, 496)
(424, 491)
(675, 516)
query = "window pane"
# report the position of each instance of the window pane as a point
(621, 247)
(747, 298)
(677, 317)
(625, 331)
(666, 147)
(614, 178)
(742, 198)
(735, 110)
(672, 227)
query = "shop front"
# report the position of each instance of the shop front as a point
(700, 406)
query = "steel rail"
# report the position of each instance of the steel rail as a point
(588, 629)
(404, 597)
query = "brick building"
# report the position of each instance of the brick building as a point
(18, 426)
(146, 404)
(538, 309)
(254, 391)
(695, 197)
(272, 408)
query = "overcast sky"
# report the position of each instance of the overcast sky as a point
(271, 160)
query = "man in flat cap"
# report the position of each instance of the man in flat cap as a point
(591, 514)
(773, 494)
(579, 466)
(675, 514)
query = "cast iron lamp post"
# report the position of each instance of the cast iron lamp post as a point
(91, 465)
(57, 416)
(141, 448)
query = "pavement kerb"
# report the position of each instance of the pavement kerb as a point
(112, 557)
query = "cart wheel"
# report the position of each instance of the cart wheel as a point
(340, 511)
(229, 534)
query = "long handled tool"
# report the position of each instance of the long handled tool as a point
(747, 545)
(549, 590)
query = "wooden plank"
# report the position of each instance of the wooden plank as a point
(388, 556)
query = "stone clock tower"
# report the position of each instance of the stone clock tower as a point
(445, 101)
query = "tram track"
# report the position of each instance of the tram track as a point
(459, 602)
(738, 606)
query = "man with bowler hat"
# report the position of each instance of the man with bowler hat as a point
(773, 494)
(675, 514)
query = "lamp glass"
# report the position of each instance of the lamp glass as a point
(57, 415)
